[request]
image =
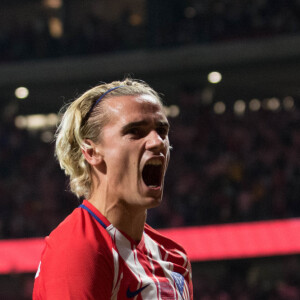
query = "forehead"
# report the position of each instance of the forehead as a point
(132, 108)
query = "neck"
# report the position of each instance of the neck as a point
(130, 220)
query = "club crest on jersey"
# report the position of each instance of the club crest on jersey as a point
(179, 280)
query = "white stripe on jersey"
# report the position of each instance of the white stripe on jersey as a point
(129, 256)
(153, 270)
(166, 266)
(117, 277)
(38, 271)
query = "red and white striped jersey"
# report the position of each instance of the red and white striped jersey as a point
(86, 257)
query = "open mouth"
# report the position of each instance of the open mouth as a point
(153, 172)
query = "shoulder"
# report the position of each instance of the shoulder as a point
(77, 254)
(163, 240)
(80, 233)
(78, 244)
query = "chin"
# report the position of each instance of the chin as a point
(150, 197)
(153, 202)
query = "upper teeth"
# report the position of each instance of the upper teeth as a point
(154, 161)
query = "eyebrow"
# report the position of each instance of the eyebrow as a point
(142, 123)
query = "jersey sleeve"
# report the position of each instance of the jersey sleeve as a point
(74, 267)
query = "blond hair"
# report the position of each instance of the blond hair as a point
(82, 120)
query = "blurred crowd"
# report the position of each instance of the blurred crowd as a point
(224, 168)
(162, 24)
(248, 279)
(31, 185)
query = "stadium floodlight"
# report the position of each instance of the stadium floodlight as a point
(288, 103)
(254, 104)
(214, 77)
(21, 92)
(239, 107)
(219, 107)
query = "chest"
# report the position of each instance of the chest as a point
(147, 272)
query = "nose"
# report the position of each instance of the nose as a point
(155, 142)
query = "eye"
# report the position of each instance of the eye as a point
(133, 131)
(136, 132)
(162, 131)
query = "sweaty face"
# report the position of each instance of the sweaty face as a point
(135, 148)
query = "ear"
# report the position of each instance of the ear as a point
(92, 154)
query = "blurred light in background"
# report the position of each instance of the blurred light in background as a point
(55, 27)
(172, 111)
(21, 92)
(214, 77)
(207, 96)
(219, 107)
(239, 107)
(273, 104)
(47, 136)
(55, 4)
(288, 103)
(36, 122)
(254, 105)
(21, 122)
(135, 19)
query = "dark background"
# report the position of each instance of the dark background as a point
(224, 168)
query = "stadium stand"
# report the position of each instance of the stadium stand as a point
(226, 167)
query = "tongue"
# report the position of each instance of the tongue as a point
(152, 175)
